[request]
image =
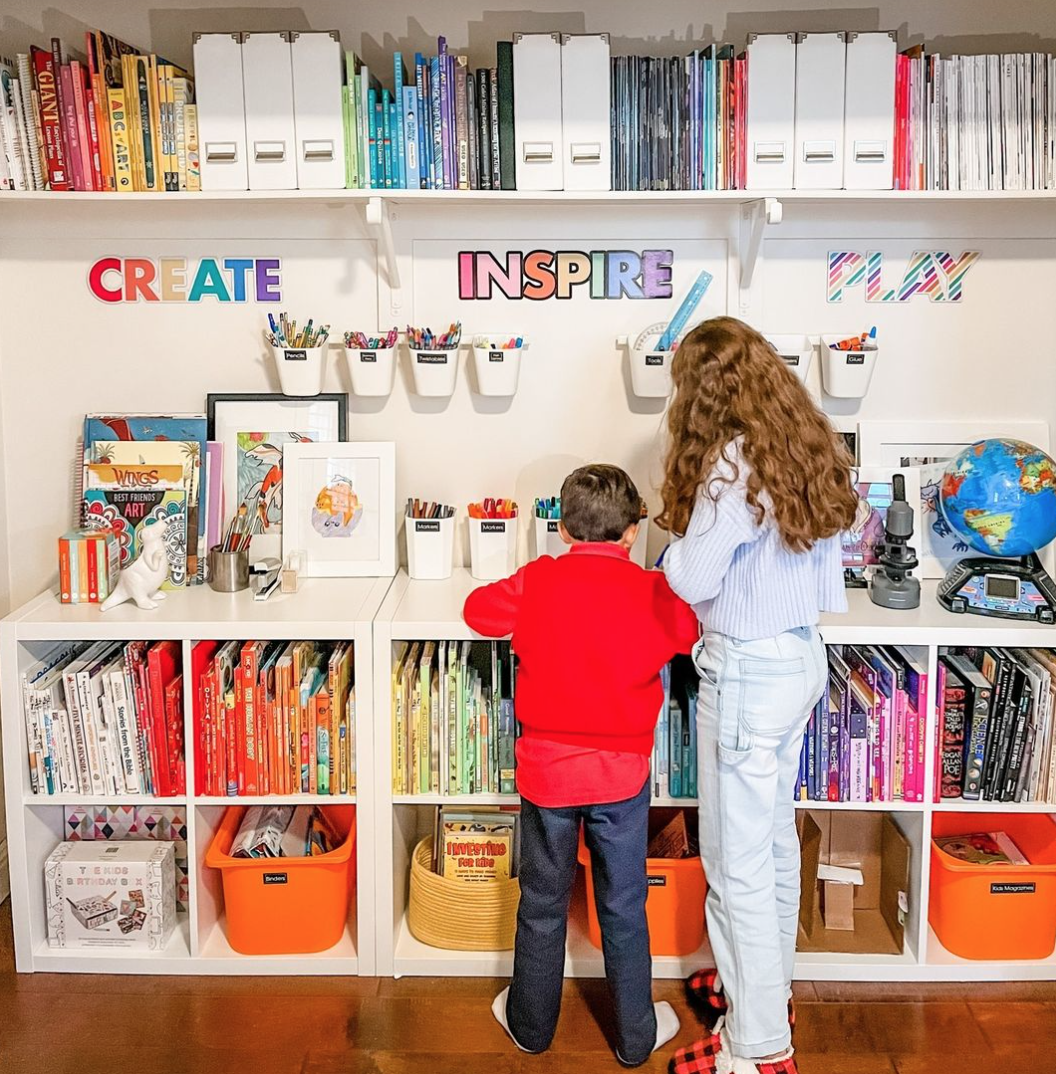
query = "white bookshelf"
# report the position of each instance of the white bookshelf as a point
(324, 610)
(415, 610)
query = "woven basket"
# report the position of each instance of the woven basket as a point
(459, 916)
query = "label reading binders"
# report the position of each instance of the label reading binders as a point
(425, 358)
(1007, 888)
(492, 527)
(654, 359)
(427, 525)
(494, 356)
(276, 878)
(368, 356)
(295, 356)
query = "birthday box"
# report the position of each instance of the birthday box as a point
(111, 894)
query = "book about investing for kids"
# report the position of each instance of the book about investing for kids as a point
(477, 846)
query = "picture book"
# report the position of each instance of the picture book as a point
(982, 848)
(477, 847)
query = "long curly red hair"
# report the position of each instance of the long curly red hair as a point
(729, 382)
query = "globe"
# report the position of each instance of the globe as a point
(1000, 496)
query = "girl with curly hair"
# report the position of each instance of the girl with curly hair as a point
(757, 490)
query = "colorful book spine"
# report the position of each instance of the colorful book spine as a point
(51, 120)
(411, 134)
(398, 133)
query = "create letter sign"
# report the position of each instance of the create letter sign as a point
(542, 274)
(935, 273)
(175, 279)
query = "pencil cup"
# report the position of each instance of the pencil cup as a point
(434, 372)
(430, 547)
(498, 371)
(372, 372)
(651, 372)
(547, 538)
(638, 548)
(846, 374)
(228, 571)
(492, 547)
(795, 351)
(301, 369)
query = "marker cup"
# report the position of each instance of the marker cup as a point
(547, 539)
(498, 369)
(373, 372)
(846, 374)
(795, 351)
(434, 372)
(492, 548)
(430, 547)
(638, 548)
(302, 370)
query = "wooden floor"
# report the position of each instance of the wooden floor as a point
(74, 1024)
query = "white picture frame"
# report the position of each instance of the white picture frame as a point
(856, 544)
(340, 508)
(888, 443)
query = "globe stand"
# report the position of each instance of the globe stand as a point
(1005, 588)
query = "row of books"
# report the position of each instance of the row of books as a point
(674, 760)
(995, 725)
(865, 739)
(112, 120)
(105, 718)
(89, 562)
(453, 725)
(975, 122)
(274, 717)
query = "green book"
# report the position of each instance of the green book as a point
(507, 144)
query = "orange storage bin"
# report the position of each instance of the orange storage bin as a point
(996, 911)
(286, 906)
(674, 907)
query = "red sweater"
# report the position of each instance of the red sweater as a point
(592, 631)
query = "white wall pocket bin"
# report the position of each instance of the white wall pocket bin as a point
(821, 61)
(548, 540)
(869, 112)
(538, 161)
(640, 542)
(492, 548)
(650, 369)
(771, 117)
(846, 374)
(430, 547)
(317, 117)
(373, 372)
(267, 75)
(221, 100)
(434, 372)
(302, 370)
(498, 369)
(585, 104)
(795, 351)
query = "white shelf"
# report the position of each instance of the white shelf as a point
(217, 956)
(272, 799)
(943, 965)
(958, 805)
(34, 801)
(661, 802)
(175, 957)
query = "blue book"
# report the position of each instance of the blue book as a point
(399, 161)
(437, 156)
(386, 138)
(447, 113)
(674, 781)
(372, 143)
(392, 156)
(691, 764)
(410, 130)
(423, 126)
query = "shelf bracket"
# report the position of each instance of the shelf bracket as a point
(379, 222)
(755, 215)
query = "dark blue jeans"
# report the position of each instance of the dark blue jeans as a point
(617, 835)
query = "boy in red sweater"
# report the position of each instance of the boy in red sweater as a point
(592, 631)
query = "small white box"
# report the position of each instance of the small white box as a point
(492, 548)
(498, 369)
(430, 547)
(111, 894)
(267, 80)
(302, 370)
(846, 374)
(434, 372)
(548, 541)
(795, 351)
(373, 372)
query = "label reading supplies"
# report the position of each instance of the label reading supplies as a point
(368, 356)
(494, 356)
(1012, 888)
(432, 358)
(427, 525)
(654, 359)
(492, 527)
(856, 359)
(657, 881)
(295, 356)
(276, 878)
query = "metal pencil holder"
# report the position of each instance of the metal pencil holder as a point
(228, 571)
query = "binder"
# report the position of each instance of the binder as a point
(869, 112)
(317, 115)
(221, 111)
(267, 78)
(771, 115)
(585, 117)
(537, 111)
(821, 63)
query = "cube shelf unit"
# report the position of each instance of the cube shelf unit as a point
(415, 610)
(323, 610)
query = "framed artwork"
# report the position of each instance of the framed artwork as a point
(340, 508)
(254, 430)
(860, 544)
(848, 430)
(929, 446)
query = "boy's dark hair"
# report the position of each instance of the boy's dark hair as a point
(599, 502)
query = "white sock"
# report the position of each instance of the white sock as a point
(498, 1008)
(667, 1024)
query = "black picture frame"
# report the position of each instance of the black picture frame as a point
(339, 398)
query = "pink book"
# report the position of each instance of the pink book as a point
(84, 138)
(214, 490)
(69, 126)
(93, 134)
(916, 707)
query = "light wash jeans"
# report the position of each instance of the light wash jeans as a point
(755, 700)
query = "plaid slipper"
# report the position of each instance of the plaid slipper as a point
(709, 1002)
(697, 1058)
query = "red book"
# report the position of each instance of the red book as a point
(93, 137)
(84, 140)
(162, 661)
(69, 127)
(313, 738)
(262, 710)
(201, 658)
(239, 737)
(174, 733)
(60, 90)
(89, 549)
(231, 742)
(50, 121)
(250, 661)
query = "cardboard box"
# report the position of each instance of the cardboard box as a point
(867, 917)
(111, 894)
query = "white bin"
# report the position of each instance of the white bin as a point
(492, 548)
(373, 372)
(651, 372)
(795, 351)
(548, 540)
(846, 374)
(434, 372)
(430, 547)
(302, 370)
(498, 370)
(638, 548)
